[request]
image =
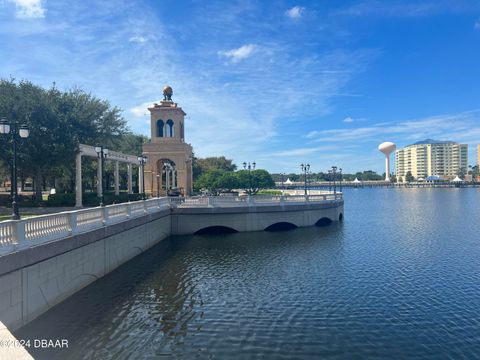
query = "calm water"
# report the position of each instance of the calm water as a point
(399, 278)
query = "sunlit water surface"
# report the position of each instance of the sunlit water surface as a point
(399, 278)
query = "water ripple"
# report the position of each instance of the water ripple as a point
(400, 278)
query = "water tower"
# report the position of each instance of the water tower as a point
(387, 148)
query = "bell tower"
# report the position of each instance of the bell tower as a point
(169, 159)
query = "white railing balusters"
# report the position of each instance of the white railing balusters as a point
(19, 234)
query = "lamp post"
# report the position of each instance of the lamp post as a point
(305, 168)
(23, 133)
(330, 180)
(341, 178)
(102, 154)
(143, 160)
(249, 167)
(334, 172)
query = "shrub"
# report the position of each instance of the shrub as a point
(61, 200)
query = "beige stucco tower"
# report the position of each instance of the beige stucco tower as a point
(169, 158)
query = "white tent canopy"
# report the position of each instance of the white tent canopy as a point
(457, 179)
(288, 181)
(356, 181)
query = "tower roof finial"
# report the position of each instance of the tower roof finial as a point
(167, 93)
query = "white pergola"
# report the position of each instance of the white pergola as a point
(86, 150)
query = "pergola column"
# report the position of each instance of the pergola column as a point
(78, 180)
(129, 180)
(117, 182)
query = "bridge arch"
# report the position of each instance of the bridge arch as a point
(324, 221)
(215, 230)
(281, 226)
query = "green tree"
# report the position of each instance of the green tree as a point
(255, 180)
(210, 181)
(409, 177)
(228, 181)
(201, 166)
(58, 123)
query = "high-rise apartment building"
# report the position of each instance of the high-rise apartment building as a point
(431, 157)
(478, 155)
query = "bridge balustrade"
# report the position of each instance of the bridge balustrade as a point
(20, 234)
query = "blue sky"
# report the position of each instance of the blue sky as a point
(278, 82)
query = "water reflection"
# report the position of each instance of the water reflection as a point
(398, 278)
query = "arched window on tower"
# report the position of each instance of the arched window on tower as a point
(160, 125)
(170, 128)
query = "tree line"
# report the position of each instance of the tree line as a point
(218, 174)
(367, 175)
(58, 122)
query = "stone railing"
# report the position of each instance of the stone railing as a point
(21, 234)
(258, 200)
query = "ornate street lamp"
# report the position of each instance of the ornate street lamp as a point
(341, 178)
(305, 168)
(23, 132)
(282, 178)
(334, 172)
(249, 167)
(143, 160)
(102, 154)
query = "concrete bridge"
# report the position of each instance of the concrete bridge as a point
(45, 259)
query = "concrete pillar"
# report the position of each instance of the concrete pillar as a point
(78, 180)
(99, 177)
(174, 178)
(117, 181)
(129, 181)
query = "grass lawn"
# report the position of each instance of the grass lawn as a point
(8, 216)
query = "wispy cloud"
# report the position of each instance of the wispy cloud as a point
(241, 53)
(243, 108)
(304, 151)
(461, 127)
(295, 13)
(391, 8)
(477, 25)
(138, 39)
(29, 9)
(141, 110)
(348, 120)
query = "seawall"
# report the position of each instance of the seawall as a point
(35, 278)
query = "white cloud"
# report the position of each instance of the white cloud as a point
(304, 151)
(391, 9)
(243, 52)
(461, 127)
(296, 12)
(348, 120)
(138, 39)
(140, 110)
(29, 9)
